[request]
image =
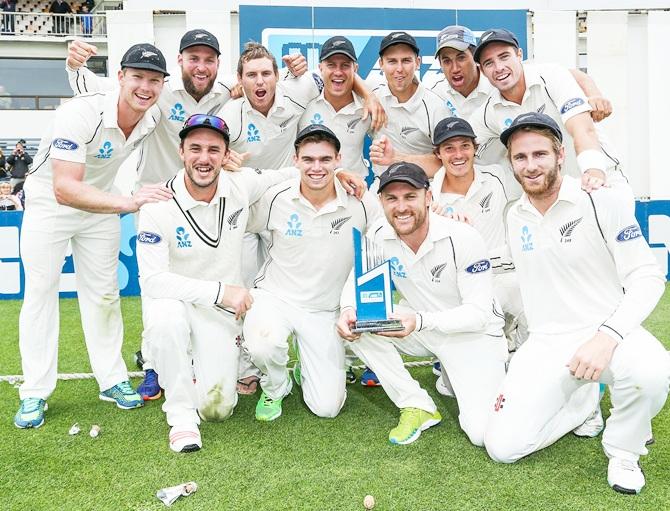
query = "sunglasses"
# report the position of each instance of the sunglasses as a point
(207, 120)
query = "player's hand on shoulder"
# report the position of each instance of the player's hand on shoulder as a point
(408, 320)
(296, 63)
(444, 211)
(373, 107)
(352, 183)
(237, 91)
(237, 299)
(382, 151)
(235, 160)
(148, 194)
(601, 108)
(592, 357)
(78, 53)
(346, 323)
(593, 179)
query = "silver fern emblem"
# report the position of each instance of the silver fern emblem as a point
(336, 225)
(232, 219)
(567, 230)
(351, 125)
(436, 271)
(485, 203)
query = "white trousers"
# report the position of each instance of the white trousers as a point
(540, 401)
(508, 295)
(474, 363)
(185, 340)
(47, 228)
(267, 327)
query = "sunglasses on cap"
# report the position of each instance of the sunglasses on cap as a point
(205, 121)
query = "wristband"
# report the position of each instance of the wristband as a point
(591, 159)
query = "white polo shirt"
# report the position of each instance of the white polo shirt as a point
(85, 130)
(459, 105)
(269, 139)
(584, 264)
(550, 89)
(411, 124)
(347, 124)
(484, 203)
(310, 252)
(160, 159)
(189, 250)
(448, 281)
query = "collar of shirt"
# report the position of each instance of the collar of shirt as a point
(278, 105)
(484, 87)
(570, 192)
(351, 108)
(410, 105)
(533, 79)
(110, 117)
(440, 175)
(340, 201)
(188, 202)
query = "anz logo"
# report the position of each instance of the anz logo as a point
(177, 113)
(526, 239)
(253, 135)
(317, 119)
(452, 108)
(294, 226)
(397, 268)
(183, 240)
(105, 152)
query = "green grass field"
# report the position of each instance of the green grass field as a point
(297, 462)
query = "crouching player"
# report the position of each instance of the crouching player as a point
(588, 279)
(441, 269)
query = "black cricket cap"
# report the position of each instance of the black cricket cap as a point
(495, 35)
(398, 38)
(337, 45)
(314, 129)
(405, 172)
(144, 56)
(451, 127)
(199, 37)
(531, 119)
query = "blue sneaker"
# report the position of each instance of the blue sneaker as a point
(123, 395)
(437, 368)
(31, 413)
(369, 378)
(149, 389)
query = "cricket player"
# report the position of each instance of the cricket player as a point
(441, 269)
(522, 87)
(297, 294)
(479, 195)
(69, 201)
(412, 110)
(588, 280)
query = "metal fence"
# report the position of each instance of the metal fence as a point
(46, 24)
(30, 102)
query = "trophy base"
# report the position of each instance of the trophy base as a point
(378, 325)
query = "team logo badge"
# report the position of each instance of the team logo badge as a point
(500, 401)
(294, 226)
(452, 108)
(177, 113)
(526, 239)
(317, 119)
(567, 230)
(570, 104)
(436, 272)
(66, 145)
(105, 152)
(397, 268)
(405, 131)
(336, 225)
(507, 123)
(485, 203)
(253, 135)
(479, 266)
(183, 240)
(351, 125)
(629, 233)
(284, 124)
(232, 219)
(148, 237)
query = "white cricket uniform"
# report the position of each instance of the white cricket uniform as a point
(411, 124)
(298, 291)
(448, 283)
(459, 105)
(485, 203)
(552, 90)
(160, 157)
(85, 130)
(349, 126)
(583, 267)
(187, 252)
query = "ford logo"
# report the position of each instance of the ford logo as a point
(67, 145)
(479, 266)
(148, 237)
(629, 233)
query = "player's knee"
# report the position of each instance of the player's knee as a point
(327, 408)
(501, 447)
(653, 378)
(217, 405)
(475, 432)
(263, 346)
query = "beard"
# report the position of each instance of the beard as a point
(539, 190)
(192, 90)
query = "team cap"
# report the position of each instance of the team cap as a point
(337, 45)
(531, 119)
(144, 56)
(199, 37)
(211, 122)
(495, 35)
(313, 129)
(398, 38)
(452, 127)
(405, 172)
(457, 37)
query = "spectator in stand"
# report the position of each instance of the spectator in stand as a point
(20, 162)
(8, 202)
(60, 23)
(86, 21)
(3, 161)
(8, 6)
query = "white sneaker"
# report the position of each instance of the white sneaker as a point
(444, 388)
(185, 438)
(625, 476)
(592, 426)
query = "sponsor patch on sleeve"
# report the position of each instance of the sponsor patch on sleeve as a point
(479, 266)
(629, 233)
(148, 237)
(570, 104)
(65, 144)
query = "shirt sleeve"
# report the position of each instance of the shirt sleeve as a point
(258, 181)
(490, 150)
(475, 285)
(84, 80)
(638, 270)
(72, 130)
(303, 89)
(156, 279)
(258, 214)
(563, 90)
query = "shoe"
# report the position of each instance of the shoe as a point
(625, 476)
(412, 422)
(369, 378)
(592, 426)
(149, 389)
(437, 368)
(31, 413)
(268, 409)
(351, 376)
(123, 395)
(650, 441)
(444, 388)
(185, 438)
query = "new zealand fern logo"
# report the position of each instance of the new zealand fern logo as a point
(436, 272)
(336, 225)
(405, 131)
(351, 125)
(232, 219)
(485, 203)
(253, 135)
(567, 230)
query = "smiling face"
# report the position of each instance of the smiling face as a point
(317, 161)
(501, 64)
(400, 63)
(199, 68)
(259, 81)
(204, 152)
(458, 156)
(406, 207)
(460, 69)
(536, 162)
(337, 72)
(140, 88)
(5, 188)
